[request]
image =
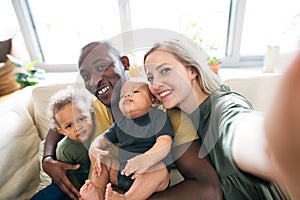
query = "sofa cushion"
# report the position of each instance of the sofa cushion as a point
(259, 90)
(19, 145)
(45, 179)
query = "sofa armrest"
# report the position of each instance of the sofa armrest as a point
(19, 145)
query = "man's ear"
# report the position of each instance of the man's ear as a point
(125, 61)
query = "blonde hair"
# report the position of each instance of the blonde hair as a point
(191, 55)
(64, 97)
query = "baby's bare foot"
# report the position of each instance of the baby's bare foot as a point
(110, 194)
(90, 192)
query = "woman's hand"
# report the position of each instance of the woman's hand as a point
(57, 171)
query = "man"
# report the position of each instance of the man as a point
(102, 70)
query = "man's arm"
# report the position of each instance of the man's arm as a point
(55, 169)
(200, 178)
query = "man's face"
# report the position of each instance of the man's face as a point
(102, 73)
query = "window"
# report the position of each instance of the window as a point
(64, 26)
(10, 29)
(268, 23)
(239, 29)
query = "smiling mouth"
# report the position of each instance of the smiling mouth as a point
(164, 93)
(103, 90)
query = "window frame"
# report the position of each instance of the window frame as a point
(232, 54)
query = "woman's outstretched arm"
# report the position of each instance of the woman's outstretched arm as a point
(283, 129)
(200, 178)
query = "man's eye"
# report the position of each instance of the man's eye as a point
(102, 67)
(85, 76)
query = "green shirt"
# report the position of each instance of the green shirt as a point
(215, 120)
(74, 152)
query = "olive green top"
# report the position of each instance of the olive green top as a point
(215, 121)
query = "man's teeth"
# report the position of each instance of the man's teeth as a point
(103, 90)
(164, 93)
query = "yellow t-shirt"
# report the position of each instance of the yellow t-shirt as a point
(184, 130)
(183, 127)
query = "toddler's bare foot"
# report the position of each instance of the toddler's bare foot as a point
(90, 192)
(110, 194)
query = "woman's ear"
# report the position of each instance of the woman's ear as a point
(125, 62)
(192, 72)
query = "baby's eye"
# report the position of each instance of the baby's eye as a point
(135, 91)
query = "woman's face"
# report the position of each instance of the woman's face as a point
(170, 81)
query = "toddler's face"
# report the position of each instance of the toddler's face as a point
(75, 121)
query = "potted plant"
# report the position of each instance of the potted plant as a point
(193, 31)
(27, 74)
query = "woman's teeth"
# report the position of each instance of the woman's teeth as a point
(163, 94)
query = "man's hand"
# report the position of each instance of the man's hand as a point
(57, 171)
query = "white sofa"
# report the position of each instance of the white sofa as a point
(23, 125)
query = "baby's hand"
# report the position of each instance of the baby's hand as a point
(136, 165)
(95, 156)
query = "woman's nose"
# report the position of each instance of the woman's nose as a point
(156, 85)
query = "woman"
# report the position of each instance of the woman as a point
(233, 133)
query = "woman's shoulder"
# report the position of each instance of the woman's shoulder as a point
(226, 97)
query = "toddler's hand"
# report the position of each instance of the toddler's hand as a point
(136, 165)
(96, 155)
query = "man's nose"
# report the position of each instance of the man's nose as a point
(96, 78)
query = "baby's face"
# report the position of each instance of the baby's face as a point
(135, 99)
(75, 121)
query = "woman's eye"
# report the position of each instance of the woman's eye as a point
(150, 79)
(165, 70)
